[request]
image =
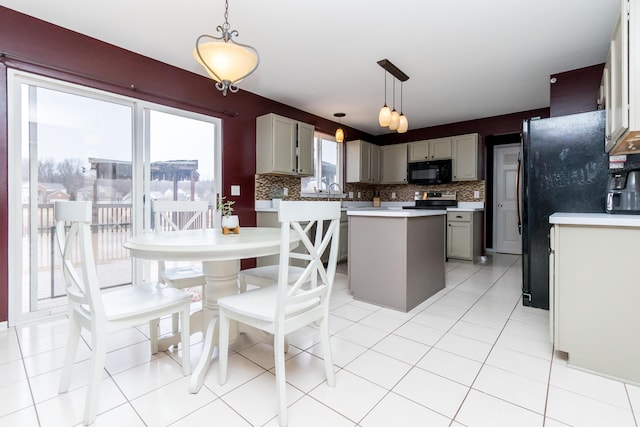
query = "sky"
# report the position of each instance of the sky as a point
(72, 126)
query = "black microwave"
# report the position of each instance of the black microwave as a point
(430, 172)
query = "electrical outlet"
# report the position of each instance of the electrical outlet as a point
(359, 195)
(285, 191)
(351, 194)
(476, 194)
(393, 195)
(235, 190)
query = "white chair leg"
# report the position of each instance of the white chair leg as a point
(175, 321)
(153, 334)
(223, 347)
(185, 336)
(242, 283)
(98, 353)
(281, 383)
(70, 355)
(326, 351)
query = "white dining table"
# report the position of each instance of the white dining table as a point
(220, 255)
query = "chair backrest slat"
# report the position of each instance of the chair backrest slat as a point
(73, 237)
(171, 215)
(315, 284)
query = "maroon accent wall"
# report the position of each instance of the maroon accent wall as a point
(36, 46)
(576, 91)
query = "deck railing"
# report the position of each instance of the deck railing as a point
(111, 226)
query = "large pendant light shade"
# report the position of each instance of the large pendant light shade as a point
(226, 61)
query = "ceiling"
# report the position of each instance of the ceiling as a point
(465, 59)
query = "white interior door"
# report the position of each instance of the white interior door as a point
(507, 239)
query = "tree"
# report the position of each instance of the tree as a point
(70, 175)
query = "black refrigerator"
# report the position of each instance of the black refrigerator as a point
(564, 169)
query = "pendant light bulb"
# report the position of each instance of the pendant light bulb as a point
(395, 120)
(384, 117)
(404, 124)
(339, 131)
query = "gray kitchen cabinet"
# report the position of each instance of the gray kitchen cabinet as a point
(594, 293)
(429, 149)
(621, 97)
(363, 162)
(393, 159)
(466, 157)
(464, 235)
(283, 146)
(343, 250)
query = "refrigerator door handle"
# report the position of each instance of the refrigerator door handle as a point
(519, 216)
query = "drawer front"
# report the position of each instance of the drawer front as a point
(459, 216)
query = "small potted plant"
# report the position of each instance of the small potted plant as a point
(229, 221)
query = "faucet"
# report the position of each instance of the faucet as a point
(329, 189)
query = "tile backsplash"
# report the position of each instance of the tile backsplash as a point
(404, 192)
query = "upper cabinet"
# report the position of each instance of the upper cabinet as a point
(430, 149)
(393, 159)
(283, 146)
(466, 157)
(620, 90)
(363, 162)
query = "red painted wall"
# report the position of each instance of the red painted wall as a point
(575, 91)
(36, 46)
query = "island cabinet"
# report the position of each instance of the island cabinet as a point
(396, 258)
(464, 235)
(363, 162)
(283, 146)
(594, 292)
(394, 164)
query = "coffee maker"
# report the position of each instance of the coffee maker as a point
(623, 192)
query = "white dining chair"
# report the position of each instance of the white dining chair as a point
(103, 312)
(283, 307)
(172, 215)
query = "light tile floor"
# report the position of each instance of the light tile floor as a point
(472, 355)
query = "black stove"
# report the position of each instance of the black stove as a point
(434, 200)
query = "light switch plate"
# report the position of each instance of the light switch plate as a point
(235, 190)
(476, 194)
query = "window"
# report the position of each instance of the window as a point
(328, 161)
(69, 142)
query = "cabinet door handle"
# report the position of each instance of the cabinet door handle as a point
(458, 216)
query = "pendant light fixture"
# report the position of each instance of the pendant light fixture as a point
(397, 121)
(226, 61)
(404, 123)
(384, 117)
(339, 131)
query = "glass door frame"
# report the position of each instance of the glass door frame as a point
(140, 173)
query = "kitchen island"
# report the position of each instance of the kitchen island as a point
(594, 292)
(396, 256)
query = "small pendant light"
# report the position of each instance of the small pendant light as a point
(404, 123)
(339, 131)
(395, 117)
(384, 117)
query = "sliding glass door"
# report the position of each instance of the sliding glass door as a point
(73, 143)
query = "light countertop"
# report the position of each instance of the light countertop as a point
(265, 206)
(396, 212)
(596, 219)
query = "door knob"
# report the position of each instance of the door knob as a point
(499, 205)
